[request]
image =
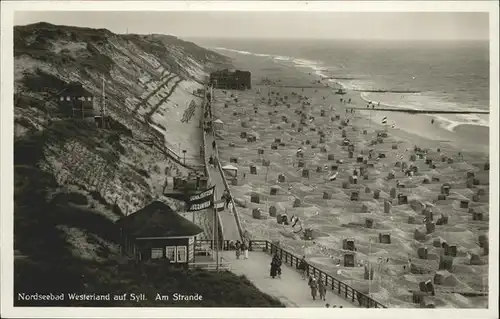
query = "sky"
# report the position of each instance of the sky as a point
(315, 25)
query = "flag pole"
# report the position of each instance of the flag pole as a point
(216, 242)
(213, 227)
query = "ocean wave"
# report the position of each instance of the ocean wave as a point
(233, 50)
(420, 101)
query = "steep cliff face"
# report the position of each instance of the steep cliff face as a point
(73, 179)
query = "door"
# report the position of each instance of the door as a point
(181, 254)
(171, 253)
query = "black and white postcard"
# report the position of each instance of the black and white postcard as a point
(242, 159)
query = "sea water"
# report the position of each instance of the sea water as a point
(438, 75)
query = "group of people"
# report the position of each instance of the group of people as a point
(211, 161)
(317, 286)
(241, 248)
(226, 197)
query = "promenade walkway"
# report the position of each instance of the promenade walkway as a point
(229, 227)
(291, 289)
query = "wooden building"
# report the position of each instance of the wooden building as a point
(157, 232)
(231, 80)
(76, 101)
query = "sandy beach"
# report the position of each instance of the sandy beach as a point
(367, 209)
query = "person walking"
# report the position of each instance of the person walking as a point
(244, 248)
(238, 249)
(213, 145)
(278, 267)
(313, 284)
(322, 290)
(274, 266)
(303, 267)
(228, 199)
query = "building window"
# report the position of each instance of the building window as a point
(68, 98)
(171, 253)
(89, 98)
(156, 253)
(61, 98)
(181, 254)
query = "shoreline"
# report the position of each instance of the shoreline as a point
(418, 125)
(443, 127)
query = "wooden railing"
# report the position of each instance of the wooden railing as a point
(338, 287)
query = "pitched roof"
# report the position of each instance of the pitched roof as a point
(157, 220)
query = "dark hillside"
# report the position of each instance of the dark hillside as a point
(75, 175)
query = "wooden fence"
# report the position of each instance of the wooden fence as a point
(338, 287)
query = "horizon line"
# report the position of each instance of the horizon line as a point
(346, 39)
(187, 37)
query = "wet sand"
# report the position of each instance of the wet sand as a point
(326, 206)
